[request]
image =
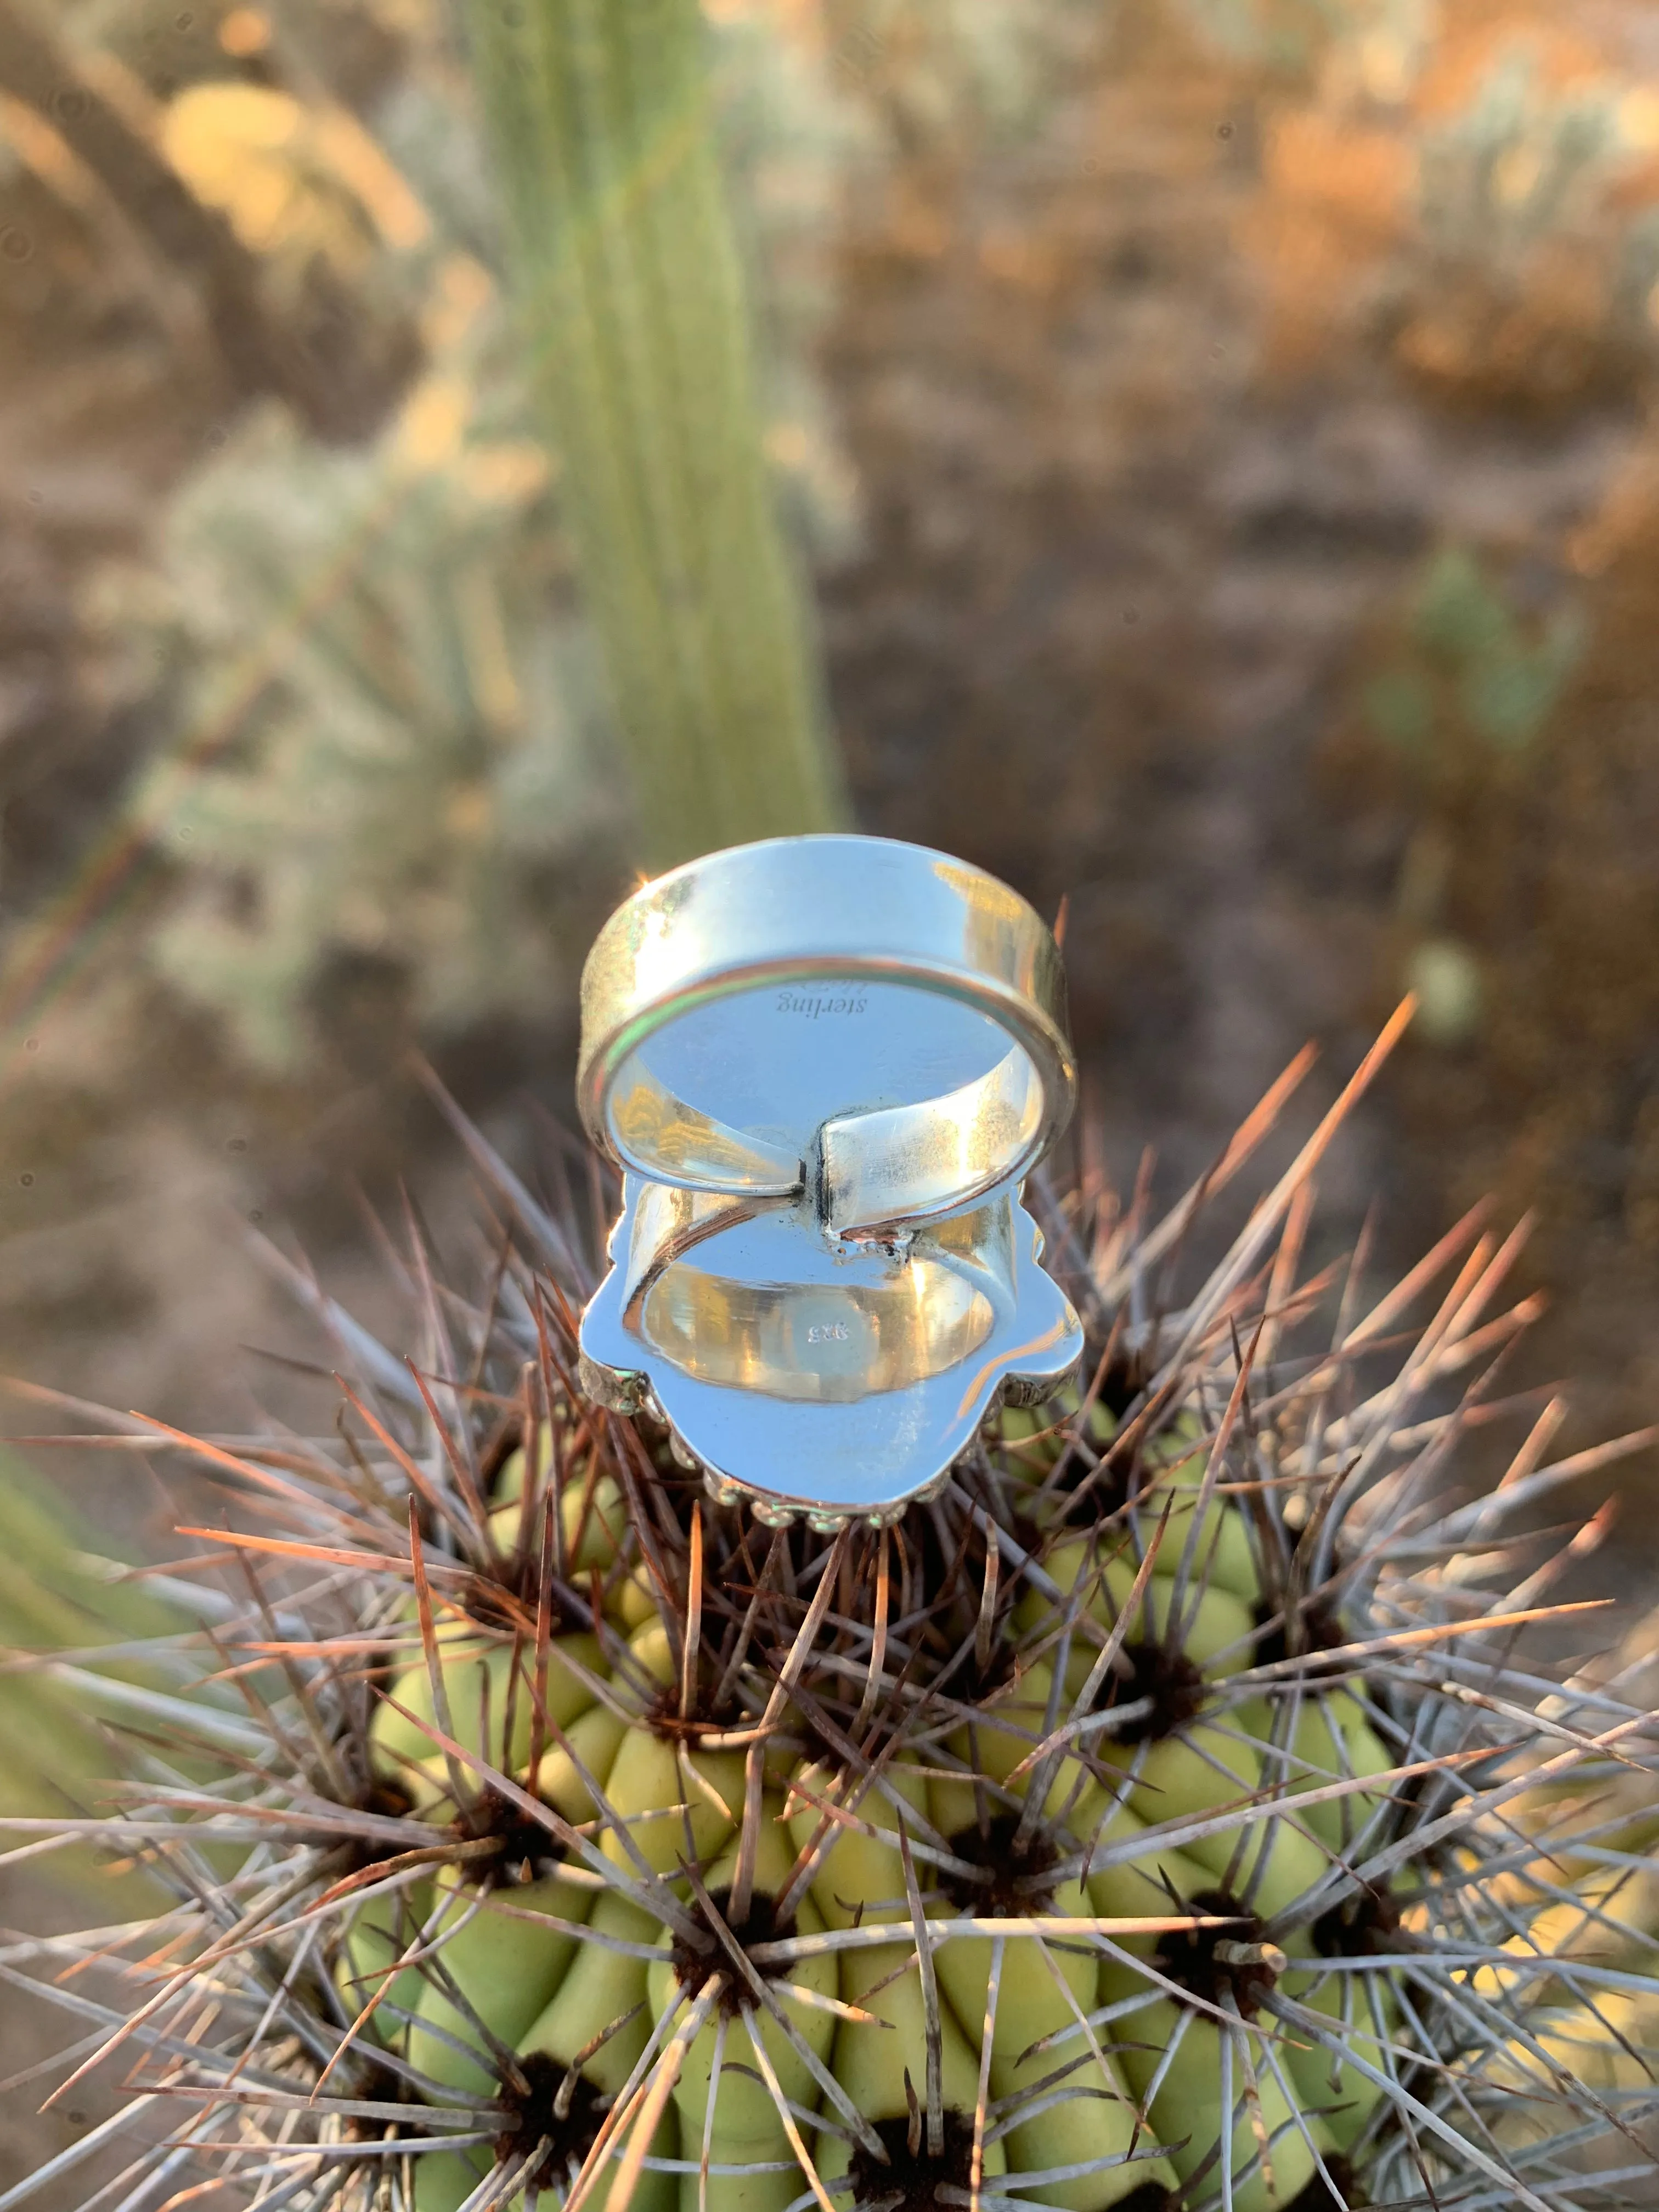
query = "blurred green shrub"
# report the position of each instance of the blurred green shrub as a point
(1467, 663)
(1529, 282)
(1525, 852)
(1520, 161)
(421, 759)
(1460, 693)
(1385, 39)
(1470, 194)
(392, 753)
(942, 72)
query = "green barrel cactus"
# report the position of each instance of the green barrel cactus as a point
(1187, 1808)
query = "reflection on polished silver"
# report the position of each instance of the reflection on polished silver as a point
(870, 1025)
(824, 1064)
(836, 1381)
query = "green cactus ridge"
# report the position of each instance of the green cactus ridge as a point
(1173, 1813)
(633, 299)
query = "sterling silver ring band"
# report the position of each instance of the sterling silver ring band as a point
(870, 1025)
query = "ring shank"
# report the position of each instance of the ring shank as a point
(907, 1163)
(731, 1294)
(876, 955)
(816, 1378)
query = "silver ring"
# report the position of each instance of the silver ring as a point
(869, 1026)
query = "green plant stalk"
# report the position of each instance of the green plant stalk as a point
(633, 296)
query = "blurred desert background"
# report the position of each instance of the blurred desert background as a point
(1218, 440)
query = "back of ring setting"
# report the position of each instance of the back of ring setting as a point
(825, 1065)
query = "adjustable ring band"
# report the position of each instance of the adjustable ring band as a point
(873, 1026)
(731, 1292)
(836, 1382)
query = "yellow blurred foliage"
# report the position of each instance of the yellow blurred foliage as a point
(1638, 118)
(417, 20)
(234, 145)
(244, 32)
(432, 423)
(430, 436)
(507, 472)
(41, 150)
(358, 160)
(290, 179)
(467, 812)
(460, 291)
